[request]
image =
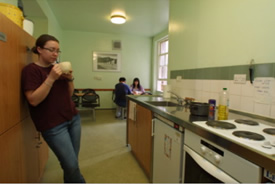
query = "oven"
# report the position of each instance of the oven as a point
(206, 162)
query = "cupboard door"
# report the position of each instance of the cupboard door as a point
(26, 57)
(11, 156)
(9, 74)
(30, 151)
(132, 135)
(132, 127)
(144, 134)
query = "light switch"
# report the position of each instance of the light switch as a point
(178, 78)
(97, 77)
(240, 78)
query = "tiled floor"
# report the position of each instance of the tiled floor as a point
(104, 156)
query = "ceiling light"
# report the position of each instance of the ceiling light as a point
(118, 19)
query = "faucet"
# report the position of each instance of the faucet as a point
(179, 99)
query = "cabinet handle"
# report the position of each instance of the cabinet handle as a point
(152, 129)
(28, 49)
(38, 136)
(38, 144)
(135, 114)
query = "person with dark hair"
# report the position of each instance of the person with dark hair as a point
(121, 90)
(136, 87)
(48, 92)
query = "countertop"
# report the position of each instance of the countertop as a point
(181, 116)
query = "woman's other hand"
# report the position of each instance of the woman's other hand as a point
(55, 73)
(68, 76)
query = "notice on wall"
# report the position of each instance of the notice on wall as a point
(264, 90)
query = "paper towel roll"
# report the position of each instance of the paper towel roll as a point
(28, 26)
(166, 91)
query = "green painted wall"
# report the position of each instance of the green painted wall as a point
(40, 26)
(53, 25)
(12, 2)
(135, 60)
(214, 33)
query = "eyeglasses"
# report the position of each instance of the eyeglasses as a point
(52, 50)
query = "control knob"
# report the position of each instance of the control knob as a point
(203, 150)
(267, 144)
(217, 158)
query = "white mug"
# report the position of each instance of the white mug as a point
(65, 66)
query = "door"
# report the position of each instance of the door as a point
(196, 169)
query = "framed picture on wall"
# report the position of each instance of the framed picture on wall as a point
(106, 61)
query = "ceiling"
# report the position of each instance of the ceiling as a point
(144, 17)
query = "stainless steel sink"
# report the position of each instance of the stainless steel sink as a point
(163, 103)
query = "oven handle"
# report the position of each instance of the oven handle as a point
(209, 167)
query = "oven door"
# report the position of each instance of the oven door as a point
(197, 169)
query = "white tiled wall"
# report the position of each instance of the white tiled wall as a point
(241, 95)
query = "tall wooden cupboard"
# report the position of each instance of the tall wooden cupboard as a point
(23, 153)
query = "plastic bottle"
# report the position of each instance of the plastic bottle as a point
(223, 105)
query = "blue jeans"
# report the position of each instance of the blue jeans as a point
(64, 141)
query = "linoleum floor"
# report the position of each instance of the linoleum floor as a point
(104, 156)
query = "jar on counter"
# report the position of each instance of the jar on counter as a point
(212, 109)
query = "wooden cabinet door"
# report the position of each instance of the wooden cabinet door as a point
(132, 135)
(30, 158)
(14, 55)
(144, 134)
(11, 156)
(132, 127)
(9, 74)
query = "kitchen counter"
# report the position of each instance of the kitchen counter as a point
(181, 116)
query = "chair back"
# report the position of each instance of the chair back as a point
(88, 90)
(90, 98)
(76, 91)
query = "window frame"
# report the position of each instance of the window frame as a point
(159, 54)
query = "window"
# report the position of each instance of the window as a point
(162, 60)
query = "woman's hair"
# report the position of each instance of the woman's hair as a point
(41, 41)
(134, 85)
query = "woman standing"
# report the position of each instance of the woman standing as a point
(48, 92)
(136, 88)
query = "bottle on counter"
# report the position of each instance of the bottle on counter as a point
(223, 107)
(212, 109)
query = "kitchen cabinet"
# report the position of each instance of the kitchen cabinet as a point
(139, 135)
(23, 152)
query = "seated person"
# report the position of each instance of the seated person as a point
(136, 87)
(121, 90)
